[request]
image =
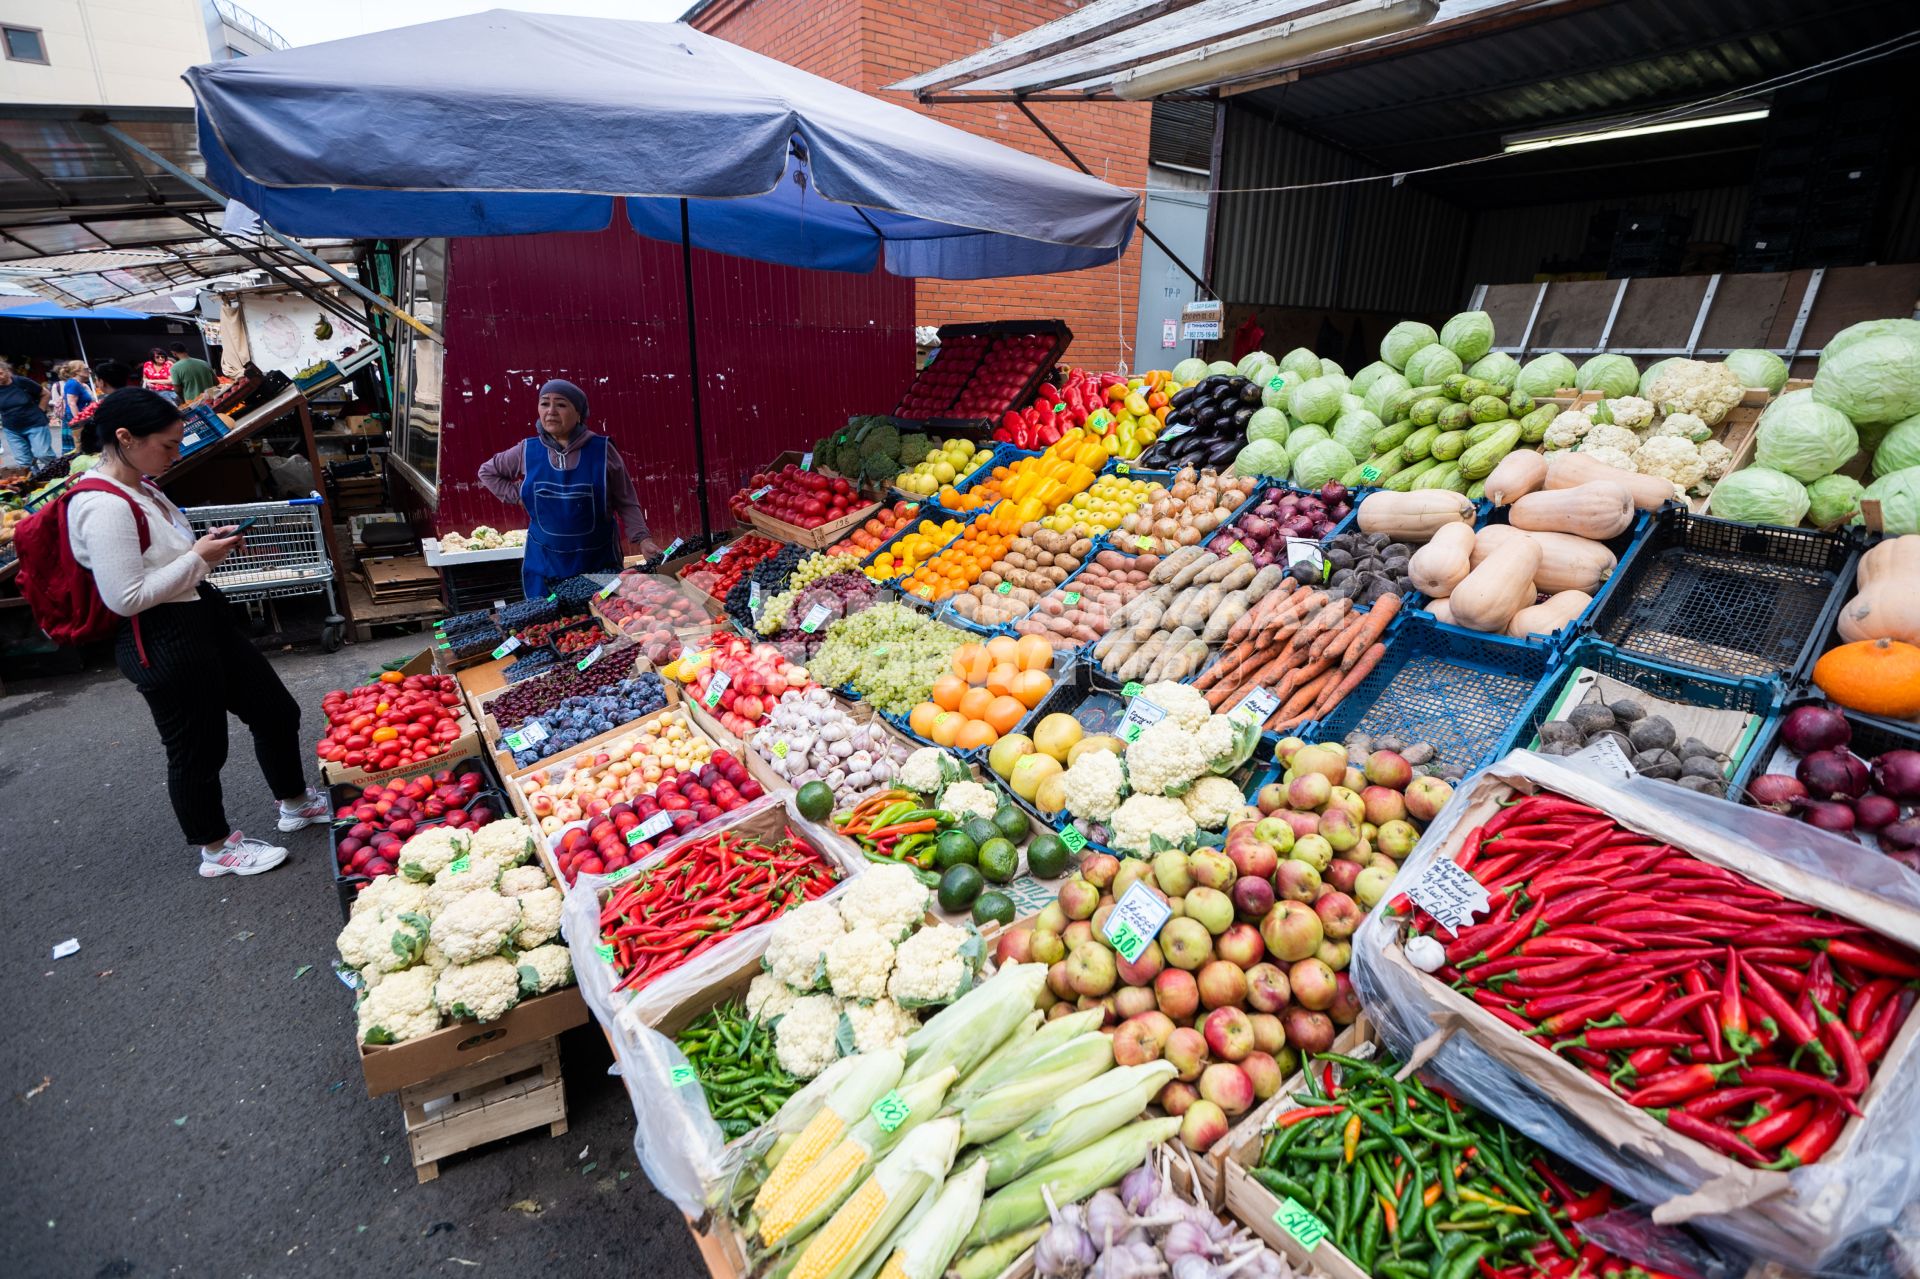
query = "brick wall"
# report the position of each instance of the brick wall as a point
(869, 44)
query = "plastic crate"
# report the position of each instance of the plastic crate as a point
(1726, 598)
(1871, 736)
(1455, 690)
(928, 513)
(1062, 338)
(1759, 697)
(341, 794)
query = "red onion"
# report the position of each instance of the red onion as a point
(1334, 493)
(1833, 775)
(1828, 816)
(1222, 542)
(1910, 858)
(1807, 729)
(1902, 836)
(1871, 812)
(1896, 774)
(1776, 792)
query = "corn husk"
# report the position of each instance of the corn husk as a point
(1027, 1094)
(1017, 1052)
(895, 1187)
(991, 1260)
(966, 1032)
(926, 1251)
(1070, 1178)
(1077, 1119)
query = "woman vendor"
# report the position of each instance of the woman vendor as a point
(574, 486)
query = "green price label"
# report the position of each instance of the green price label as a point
(516, 741)
(445, 645)
(1238, 547)
(1128, 943)
(458, 864)
(890, 1111)
(1298, 1221)
(1368, 474)
(551, 598)
(1003, 588)
(715, 557)
(605, 951)
(609, 588)
(1071, 598)
(1073, 839)
(780, 750)
(1133, 689)
(1131, 732)
(511, 644)
(1061, 407)
(622, 875)
(1121, 468)
(1144, 542)
(680, 1076)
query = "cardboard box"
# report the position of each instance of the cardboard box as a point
(391, 1067)
(503, 763)
(468, 743)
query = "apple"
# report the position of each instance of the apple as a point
(1250, 854)
(1227, 1086)
(1307, 1031)
(1342, 872)
(1370, 885)
(1090, 969)
(1252, 898)
(1312, 983)
(1396, 838)
(1346, 1000)
(1314, 850)
(1329, 762)
(1240, 945)
(1202, 1126)
(1145, 969)
(1176, 1097)
(1309, 792)
(1292, 931)
(1389, 769)
(1212, 908)
(1269, 1036)
(1133, 871)
(1296, 881)
(1383, 804)
(1044, 947)
(1177, 993)
(1187, 944)
(1261, 1070)
(1171, 873)
(1335, 954)
(1079, 898)
(1186, 1048)
(1222, 984)
(1014, 947)
(1426, 796)
(1339, 915)
(1272, 796)
(1130, 1001)
(1211, 868)
(1229, 1034)
(1267, 988)
(1275, 832)
(1135, 1042)
(1099, 869)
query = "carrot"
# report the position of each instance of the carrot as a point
(1343, 639)
(1219, 677)
(1343, 612)
(1305, 696)
(1374, 625)
(1255, 616)
(1350, 680)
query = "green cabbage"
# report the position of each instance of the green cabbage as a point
(1432, 364)
(1302, 438)
(1227, 367)
(1908, 329)
(1545, 375)
(1759, 495)
(1404, 339)
(1338, 381)
(1316, 401)
(1832, 500)
(1253, 360)
(1898, 493)
(1354, 431)
(1276, 390)
(1268, 424)
(1468, 335)
(1873, 380)
(1187, 372)
(1804, 439)
(1261, 457)
(1608, 374)
(1384, 388)
(1761, 369)
(1365, 378)
(1301, 362)
(1899, 449)
(1330, 369)
(1652, 373)
(1351, 403)
(1495, 366)
(1323, 463)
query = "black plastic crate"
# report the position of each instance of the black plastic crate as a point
(1871, 736)
(1726, 598)
(1063, 338)
(348, 886)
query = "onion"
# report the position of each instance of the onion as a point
(1333, 492)
(1298, 526)
(1776, 792)
(1896, 774)
(1902, 836)
(1828, 816)
(1189, 535)
(1807, 729)
(1255, 529)
(1222, 543)
(1832, 775)
(1871, 812)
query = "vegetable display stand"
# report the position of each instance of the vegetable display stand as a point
(1729, 715)
(1727, 598)
(1859, 1166)
(467, 744)
(494, 734)
(347, 884)
(1736, 432)
(513, 1092)
(1457, 690)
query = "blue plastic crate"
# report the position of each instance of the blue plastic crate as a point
(928, 512)
(1650, 678)
(1458, 691)
(1003, 455)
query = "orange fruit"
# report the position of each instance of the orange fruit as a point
(970, 663)
(974, 704)
(946, 728)
(1004, 713)
(947, 692)
(922, 717)
(976, 733)
(1031, 687)
(1000, 680)
(1002, 648)
(1032, 653)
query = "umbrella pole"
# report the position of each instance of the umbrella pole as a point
(693, 375)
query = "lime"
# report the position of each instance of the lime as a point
(953, 848)
(1047, 857)
(980, 829)
(999, 861)
(1011, 823)
(994, 906)
(959, 887)
(815, 801)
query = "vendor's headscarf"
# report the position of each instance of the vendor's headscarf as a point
(575, 396)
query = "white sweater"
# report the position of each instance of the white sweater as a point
(107, 542)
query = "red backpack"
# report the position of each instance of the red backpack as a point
(60, 589)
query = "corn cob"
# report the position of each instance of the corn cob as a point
(893, 1190)
(926, 1252)
(993, 1259)
(1004, 1059)
(1011, 1057)
(1026, 1095)
(1070, 1178)
(965, 1033)
(1084, 1115)
(864, 1083)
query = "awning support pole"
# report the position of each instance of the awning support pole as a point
(298, 250)
(693, 373)
(314, 295)
(1141, 222)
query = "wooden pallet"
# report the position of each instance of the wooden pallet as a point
(408, 613)
(509, 1093)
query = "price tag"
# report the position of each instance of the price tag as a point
(672, 546)
(621, 876)
(443, 644)
(1144, 542)
(1451, 895)
(815, 616)
(924, 592)
(1368, 474)
(1238, 547)
(891, 1111)
(1141, 715)
(779, 750)
(1133, 689)
(1256, 706)
(1175, 432)
(535, 731)
(1003, 589)
(517, 742)
(753, 598)
(1121, 468)
(760, 492)
(716, 556)
(649, 828)
(1073, 839)
(1071, 598)
(1604, 759)
(1135, 921)
(806, 462)
(605, 951)
(590, 658)
(680, 1076)
(460, 863)
(513, 642)
(717, 689)
(500, 604)
(1294, 1218)
(1302, 550)
(609, 588)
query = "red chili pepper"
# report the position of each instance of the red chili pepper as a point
(1813, 1141)
(1726, 1100)
(1886, 1024)
(1636, 1012)
(1770, 1131)
(1782, 979)
(1326, 1080)
(1891, 962)
(1845, 1050)
(1610, 1037)
(1469, 850)
(1512, 1019)
(1681, 1007)
(1594, 932)
(1569, 1019)
(1733, 1009)
(1708, 1017)
(1642, 1062)
(1866, 1002)
(1693, 1081)
(1708, 1135)
(1548, 1005)
(1592, 1059)
(1304, 1113)
(1795, 1081)
(1577, 905)
(1775, 1005)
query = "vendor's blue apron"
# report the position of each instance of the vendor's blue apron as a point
(569, 528)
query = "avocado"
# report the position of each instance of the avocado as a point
(959, 888)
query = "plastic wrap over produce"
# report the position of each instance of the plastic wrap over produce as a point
(1847, 1214)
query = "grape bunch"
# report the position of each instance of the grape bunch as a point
(580, 717)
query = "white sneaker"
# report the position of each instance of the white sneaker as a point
(241, 856)
(314, 809)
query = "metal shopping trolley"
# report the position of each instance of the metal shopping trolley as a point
(285, 554)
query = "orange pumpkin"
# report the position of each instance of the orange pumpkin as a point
(1877, 677)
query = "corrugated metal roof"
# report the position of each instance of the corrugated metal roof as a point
(1182, 134)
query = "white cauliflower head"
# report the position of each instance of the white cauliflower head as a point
(1141, 817)
(1212, 802)
(370, 937)
(508, 841)
(880, 1025)
(1631, 412)
(1566, 430)
(399, 1008)
(887, 899)
(1183, 703)
(1166, 754)
(544, 968)
(1093, 785)
(484, 990)
(391, 893)
(799, 939)
(1685, 426)
(429, 852)
(769, 997)
(1706, 390)
(970, 799)
(521, 880)
(1609, 455)
(859, 962)
(930, 968)
(1609, 437)
(481, 874)
(805, 1041)
(930, 768)
(539, 917)
(475, 925)
(1671, 457)
(1718, 458)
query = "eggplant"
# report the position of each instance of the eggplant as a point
(1222, 452)
(1240, 419)
(1182, 396)
(1249, 394)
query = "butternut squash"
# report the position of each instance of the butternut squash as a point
(1436, 568)
(1519, 473)
(1442, 611)
(1413, 516)
(1599, 509)
(1567, 469)
(1897, 559)
(1548, 616)
(1488, 597)
(1567, 563)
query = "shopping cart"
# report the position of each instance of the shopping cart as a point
(284, 554)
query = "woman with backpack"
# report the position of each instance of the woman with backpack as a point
(179, 645)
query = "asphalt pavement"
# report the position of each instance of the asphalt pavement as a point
(183, 1095)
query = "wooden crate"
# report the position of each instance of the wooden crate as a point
(813, 538)
(499, 1096)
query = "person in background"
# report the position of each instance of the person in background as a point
(192, 378)
(75, 397)
(108, 376)
(573, 485)
(23, 419)
(156, 374)
(180, 646)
